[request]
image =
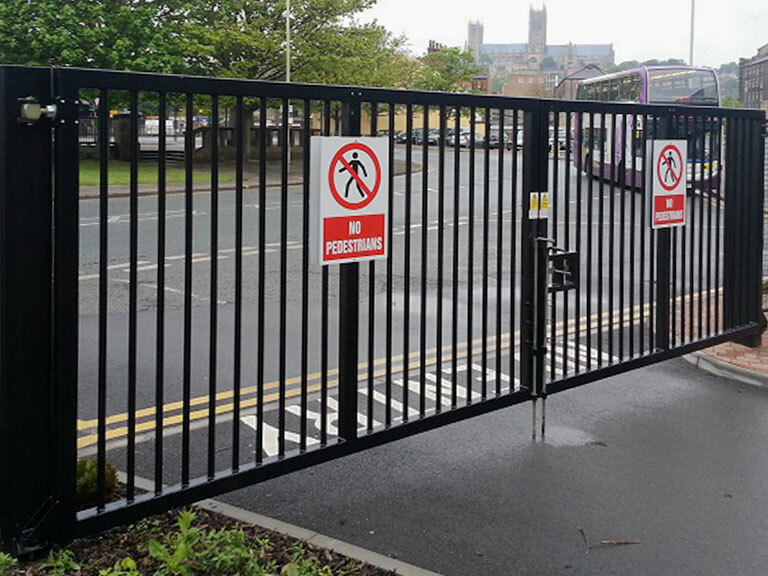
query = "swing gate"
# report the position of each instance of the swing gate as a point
(160, 312)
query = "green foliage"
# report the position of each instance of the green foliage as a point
(222, 552)
(731, 102)
(88, 483)
(60, 563)
(124, 567)
(6, 563)
(630, 64)
(447, 70)
(497, 84)
(549, 63)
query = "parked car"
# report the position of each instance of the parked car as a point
(493, 140)
(383, 133)
(462, 138)
(401, 137)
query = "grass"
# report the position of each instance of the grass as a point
(119, 173)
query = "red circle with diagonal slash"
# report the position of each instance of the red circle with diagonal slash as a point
(338, 158)
(677, 177)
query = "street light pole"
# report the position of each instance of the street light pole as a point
(693, 20)
(288, 70)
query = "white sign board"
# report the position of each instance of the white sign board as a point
(349, 198)
(667, 172)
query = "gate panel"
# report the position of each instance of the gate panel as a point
(645, 294)
(196, 345)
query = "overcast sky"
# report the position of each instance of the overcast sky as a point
(639, 30)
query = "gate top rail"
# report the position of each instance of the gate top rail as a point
(77, 78)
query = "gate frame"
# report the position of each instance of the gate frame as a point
(39, 232)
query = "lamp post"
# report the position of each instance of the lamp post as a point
(288, 69)
(693, 20)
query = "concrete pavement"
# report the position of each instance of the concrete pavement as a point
(669, 455)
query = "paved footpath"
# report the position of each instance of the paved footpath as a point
(670, 456)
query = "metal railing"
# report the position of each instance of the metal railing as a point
(195, 343)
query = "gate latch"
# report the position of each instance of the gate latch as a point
(564, 270)
(31, 111)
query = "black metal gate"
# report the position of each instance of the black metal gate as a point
(161, 313)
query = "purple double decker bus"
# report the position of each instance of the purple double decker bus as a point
(651, 85)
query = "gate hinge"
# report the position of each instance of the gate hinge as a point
(68, 111)
(31, 111)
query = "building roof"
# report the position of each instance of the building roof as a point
(552, 49)
(580, 49)
(503, 48)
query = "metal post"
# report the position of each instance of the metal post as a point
(533, 233)
(693, 20)
(349, 323)
(663, 260)
(27, 431)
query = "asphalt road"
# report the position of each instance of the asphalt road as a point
(604, 249)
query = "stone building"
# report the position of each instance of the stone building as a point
(753, 80)
(503, 59)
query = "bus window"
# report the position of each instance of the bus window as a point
(613, 94)
(604, 88)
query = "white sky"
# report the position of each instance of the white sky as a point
(638, 29)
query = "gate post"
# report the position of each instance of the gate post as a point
(534, 252)
(27, 433)
(743, 232)
(349, 316)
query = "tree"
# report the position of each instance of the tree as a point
(732, 102)
(629, 64)
(447, 70)
(498, 83)
(118, 34)
(548, 63)
(233, 38)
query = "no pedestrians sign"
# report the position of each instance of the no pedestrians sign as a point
(350, 198)
(667, 172)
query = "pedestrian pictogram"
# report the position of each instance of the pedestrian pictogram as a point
(355, 168)
(667, 176)
(349, 198)
(669, 170)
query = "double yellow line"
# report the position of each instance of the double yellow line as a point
(146, 417)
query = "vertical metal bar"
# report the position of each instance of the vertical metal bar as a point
(424, 255)
(306, 133)
(709, 121)
(261, 318)
(189, 150)
(324, 319)
(644, 256)
(283, 353)
(622, 179)
(243, 132)
(407, 256)
(455, 256)
(440, 257)
(690, 226)
(471, 250)
(371, 304)
(28, 311)
(567, 213)
(500, 250)
(534, 253)
(601, 239)
(698, 161)
(590, 213)
(486, 216)
(611, 228)
(720, 199)
(133, 295)
(390, 304)
(349, 325)
(555, 147)
(513, 333)
(632, 246)
(213, 341)
(651, 239)
(160, 318)
(579, 177)
(101, 435)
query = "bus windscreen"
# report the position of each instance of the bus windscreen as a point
(683, 86)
